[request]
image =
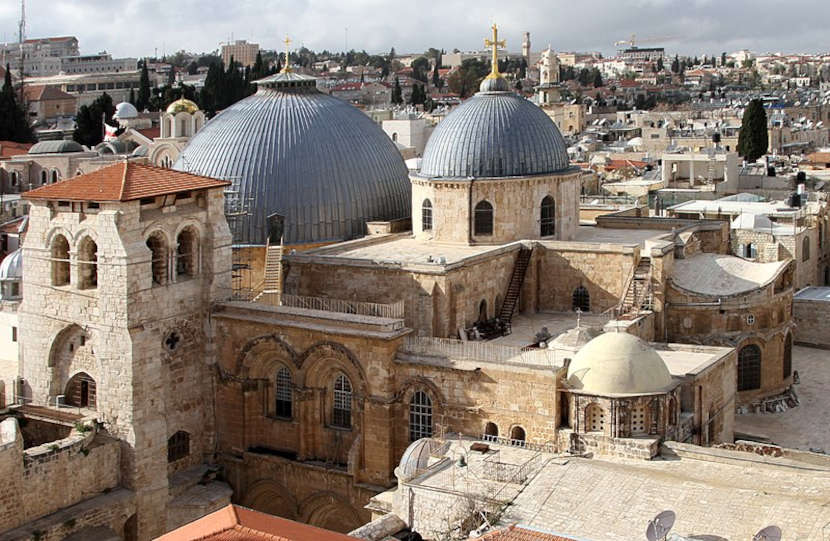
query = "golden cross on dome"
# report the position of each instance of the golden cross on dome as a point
(495, 44)
(287, 67)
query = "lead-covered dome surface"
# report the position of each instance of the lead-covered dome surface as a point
(618, 363)
(11, 268)
(312, 158)
(125, 110)
(62, 146)
(495, 134)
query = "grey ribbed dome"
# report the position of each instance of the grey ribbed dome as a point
(313, 158)
(495, 134)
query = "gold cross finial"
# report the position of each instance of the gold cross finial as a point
(287, 67)
(495, 44)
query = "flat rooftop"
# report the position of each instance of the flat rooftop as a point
(716, 494)
(813, 294)
(609, 235)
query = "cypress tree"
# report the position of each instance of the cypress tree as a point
(13, 123)
(258, 71)
(436, 77)
(753, 139)
(397, 96)
(143, 88)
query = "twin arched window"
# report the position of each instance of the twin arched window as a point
(420, 416)
(426, 215)
(187, 255)
(341, 412)
(749, 368)
(483, 219)
(547, 224)
(283, 393)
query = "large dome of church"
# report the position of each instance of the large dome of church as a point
(291, 150)
(496, 133)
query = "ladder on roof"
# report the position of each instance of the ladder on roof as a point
(272, 282)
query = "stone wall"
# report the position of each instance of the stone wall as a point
(811, 317)
(9, 358)
(82, 464)
(516, 206)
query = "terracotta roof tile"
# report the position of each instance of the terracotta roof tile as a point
(235, 523)
(45, 92)
(518, 533)
(10, 148)
(150, 133)
(124, 181)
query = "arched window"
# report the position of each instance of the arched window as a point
(483, 219)
(341, 413)
(517, 436)
(491, 431)
(805, 249)
(43, 176)
(158, 257)
(426, 215)
(80, 391)
(178, 446)
(594, 418)
(283, 393)
(15, 178)
(749, 368)
(187, 252)
(88, 264)
(60, 261)
(548, 223)
(788, 356)
(482, 311)
(420, 416)
(395, 136)
(581, 300)
(55, 176)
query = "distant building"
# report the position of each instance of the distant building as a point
(47, 103)
(643, 54)
(241, 51)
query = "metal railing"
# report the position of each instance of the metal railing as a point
(539, 447)
(394, 311)
(474, 350)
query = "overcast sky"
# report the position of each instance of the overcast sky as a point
(139, 27)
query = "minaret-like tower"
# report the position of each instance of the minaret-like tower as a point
(526, 48)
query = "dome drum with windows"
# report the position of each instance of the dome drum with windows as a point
(489, 166)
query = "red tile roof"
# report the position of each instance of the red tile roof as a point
(124, 181)
(235, 523)
(517, 533)
(45, 92)
(150, 133)
(10, 148)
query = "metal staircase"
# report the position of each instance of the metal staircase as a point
(511, 298)
(638, 294)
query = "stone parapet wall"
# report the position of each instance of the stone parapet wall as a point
(811, 317)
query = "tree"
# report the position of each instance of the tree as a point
(723, 59)
(420, 68)
(143, 100)
(397, 97)
(597, 78)
(192, 68)
(660, 64)
(171, 76)
(90, 120)
(131, 99)
(465, 80)
(258, 71)
(675, 65)
(13, 123)
(753, 139)
(436, 76)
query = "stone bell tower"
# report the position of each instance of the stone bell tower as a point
(120, 268)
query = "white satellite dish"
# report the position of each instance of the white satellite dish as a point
(660, 526)
(770, 533)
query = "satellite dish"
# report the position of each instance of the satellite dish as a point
(770, 533)
(660, 526)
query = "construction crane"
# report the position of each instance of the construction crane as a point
(633, 41)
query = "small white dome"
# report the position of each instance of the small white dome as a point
(745, 220)
(618, 363)
(11, 268)
(125, 110)
(415, 459)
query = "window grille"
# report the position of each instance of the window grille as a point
(581, 299)
(342, 406)
(749, 368)
(483, 219)
(548, 223)
(426, 215)
(420, 416)
(178, 446)
(283, 393)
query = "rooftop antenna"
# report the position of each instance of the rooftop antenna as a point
(660, 526)
(21, 37)
(770, 533)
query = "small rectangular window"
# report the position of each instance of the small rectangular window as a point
(63, 203)
(93, 205)
(147, 200)
(182, 195)
(14, 334)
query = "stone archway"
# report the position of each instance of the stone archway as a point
(271, 497)
(328, 510)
